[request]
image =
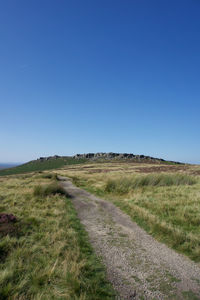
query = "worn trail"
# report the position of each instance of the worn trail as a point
(138, 266)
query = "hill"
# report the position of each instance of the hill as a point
(42, 164)
(55, 162)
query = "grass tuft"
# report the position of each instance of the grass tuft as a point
(49, 189)
(126, 184)
(52, 176)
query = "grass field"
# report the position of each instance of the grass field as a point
(164, 200)
(46, 253)
(38, 165)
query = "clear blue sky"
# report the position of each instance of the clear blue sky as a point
(90, 76)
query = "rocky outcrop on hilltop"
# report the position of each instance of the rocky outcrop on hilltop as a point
(117, 156)
(109, 156)
(49, 157)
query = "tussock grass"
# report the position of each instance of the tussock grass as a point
(125, 184)
(48, 189)
(52, 176)
(50, 257)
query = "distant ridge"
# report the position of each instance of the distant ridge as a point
(109, 156)
(121, 156)
(56, 161)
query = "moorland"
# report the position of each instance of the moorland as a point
(47, 254)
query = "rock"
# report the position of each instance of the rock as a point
(109, 156)
(112, 155)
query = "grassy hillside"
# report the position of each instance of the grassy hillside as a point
(55, 162)
(164, 200)
(41, 165)
(46, 254)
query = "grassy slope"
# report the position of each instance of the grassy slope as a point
(48, 255)
(54, 163)
(170, 212)
(38, 165)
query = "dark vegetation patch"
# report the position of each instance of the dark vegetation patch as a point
(9, 229)
(7, 225)
(7, 218)
(89, 167)
(103, 170)
(152, 169)
(4, 251)
(159, 169)
(52, 176)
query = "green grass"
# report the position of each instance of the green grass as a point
(48, 255)
(126, 184)
(37, 165)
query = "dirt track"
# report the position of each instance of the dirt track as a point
(138, 266)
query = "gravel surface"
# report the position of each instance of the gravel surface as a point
(138, 266)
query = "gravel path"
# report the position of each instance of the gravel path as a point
(138, 266)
